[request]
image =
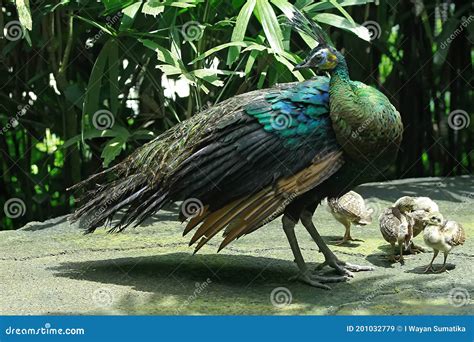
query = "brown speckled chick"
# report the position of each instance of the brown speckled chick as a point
(396, 226)
(350, 209)
(419, 208)
(442, 236)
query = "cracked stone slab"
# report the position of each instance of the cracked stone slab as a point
(53, 268)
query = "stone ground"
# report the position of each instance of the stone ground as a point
(51, 268)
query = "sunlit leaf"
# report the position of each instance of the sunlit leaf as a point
(270, 25)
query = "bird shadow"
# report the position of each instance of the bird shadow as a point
(380, 260)
(237, 284)
(334, 241)
(421, 269)
(454, 189)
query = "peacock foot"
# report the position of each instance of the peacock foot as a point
(316, 280)
(342, 267)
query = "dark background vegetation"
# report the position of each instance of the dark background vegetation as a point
(75, 58)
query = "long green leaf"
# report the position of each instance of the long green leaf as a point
(325, 5)
(92, 96)
(218, 48)
(270, 25)
(343, 11)
(129, 15)
(343, 23)
(24, 13)
(113, 70)
(238, 34)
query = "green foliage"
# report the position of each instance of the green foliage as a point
(86, 82)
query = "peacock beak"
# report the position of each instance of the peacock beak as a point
(303, 65)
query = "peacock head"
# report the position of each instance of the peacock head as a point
(322, 58)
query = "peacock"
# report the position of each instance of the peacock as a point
(257, 156)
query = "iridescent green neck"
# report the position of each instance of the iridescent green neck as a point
(340, 73)
(340, 84)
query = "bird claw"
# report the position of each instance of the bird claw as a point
(344, 268)
(312, 281)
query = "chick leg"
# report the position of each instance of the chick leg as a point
(347, 234)
(443, 268)
(430, 266)
(393, 257)
(341, 267)
(401, 259)
(304, 274)
(415, 249)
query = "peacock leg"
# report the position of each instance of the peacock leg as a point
(342, 267)
(430, 266)
(304, 275)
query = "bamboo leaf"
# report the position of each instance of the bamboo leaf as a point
(112, 149)
(92, 96)
(325, 5)
(238, 34)
(343, 11)
(113, 71)
(24, 13)
(343, 23)
(218, 48)
(129, 14)
(270, 25)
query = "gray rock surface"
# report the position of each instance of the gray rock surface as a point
(52, 268)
